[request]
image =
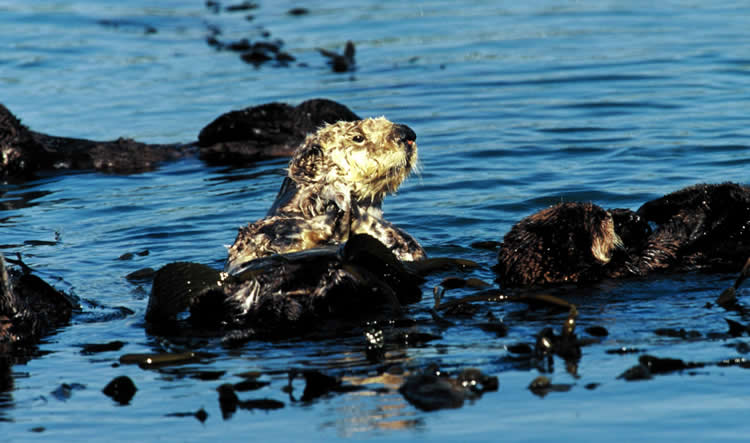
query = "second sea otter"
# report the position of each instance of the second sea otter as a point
(705, 226)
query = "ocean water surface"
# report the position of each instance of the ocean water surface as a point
(516, 107)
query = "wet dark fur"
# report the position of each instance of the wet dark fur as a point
(24, 152)
(236, 138)
(702, 227)
(269, 130)
(29, 308)
(555, 246)
(288, 294)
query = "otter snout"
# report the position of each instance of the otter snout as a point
(404, 134)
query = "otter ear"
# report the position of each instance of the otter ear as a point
(306, 162)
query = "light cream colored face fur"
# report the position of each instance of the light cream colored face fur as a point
(367, 156)
(607, 240)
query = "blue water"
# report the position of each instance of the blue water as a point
(516, 107)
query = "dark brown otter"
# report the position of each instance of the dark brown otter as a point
(705, 226)
(565, 243)
(236, 138)
(266, 131)
(24, 152)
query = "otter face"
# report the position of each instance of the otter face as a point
(371, 157)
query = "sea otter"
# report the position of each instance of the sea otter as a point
(237, 137)
(705, 226)
(335, 186)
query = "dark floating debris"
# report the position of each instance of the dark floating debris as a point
(677, 333)
(624, 350)
(541, 386)
(520, 349)
(201, 415)
(244, 6)
(597, 331)
(29, 307)
(250, 385)
(130, 255)
(95, 348)
(496, 327)
(431, 390)
(116, 24)
(340, 62)
(65, 390)
(298, 11)
(266, 404)
(736, 329)
(213, 6)
(635, 373)
(317, 385)
(229, 402)
(121, 389)
(648, 366)
(739, 362)
(458, 282)
(728, 298)
(154, 361)
(141, 275)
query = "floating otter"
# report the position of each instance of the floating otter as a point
(236, 138)
(29, 308)
(287, 294)
(705, 226)
(335, 187)
(266, 131)
(568, 242)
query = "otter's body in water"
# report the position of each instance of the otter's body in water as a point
(701, 227)
(335, 187)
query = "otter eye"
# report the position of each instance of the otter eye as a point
(358, 139)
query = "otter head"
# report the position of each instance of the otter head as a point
(368, 157)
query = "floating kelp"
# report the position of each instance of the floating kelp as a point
(159, 360)
(317, 384)
(286, 294)
(29, 307)
(201, 415)
(541, 386)
(121, 389)
(229, 402)
(433, 390)
(340, 62)
(728, 298)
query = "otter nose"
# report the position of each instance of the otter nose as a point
(405, 133)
